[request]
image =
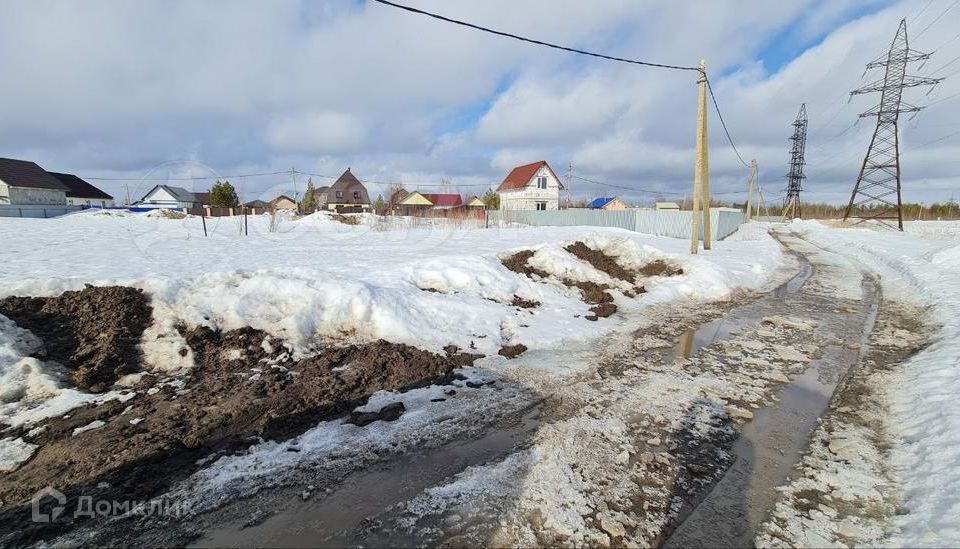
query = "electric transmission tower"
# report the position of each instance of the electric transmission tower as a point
(791, 204)
(876, 194)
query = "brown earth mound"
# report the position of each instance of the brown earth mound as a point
(601, 261)
(660, 267)
(518, 264)
(512, 351)
(524, 303)
(94, 331)
(239, 389)
(346, 220)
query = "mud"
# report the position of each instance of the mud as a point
(524, 303)
(95, 331)
(601, 261)
(518, 264)
(660, 267)
(512, 351)
(346, 220)
(244, 387)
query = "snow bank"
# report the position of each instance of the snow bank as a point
(922, 271)
(315, 281)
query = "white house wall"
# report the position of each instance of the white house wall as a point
(27, 196)
(527, 197)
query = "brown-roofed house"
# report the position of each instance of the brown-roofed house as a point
(530, 187)
(82, 193)
(347, 192)
(283, 202)
(23, 182)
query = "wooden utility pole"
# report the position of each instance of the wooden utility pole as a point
(753, 178)
(701, 183)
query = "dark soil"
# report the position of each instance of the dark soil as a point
(601, 261)
(524, 303)
(512, 351)
(346, 220)
(660, 267)
(225, 403)
(95, 331)
(603, 310)
(518, 264)
(390, 412)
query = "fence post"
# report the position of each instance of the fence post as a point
(246, 228)
(203, 219)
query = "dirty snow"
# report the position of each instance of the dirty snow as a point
(13, 452)
(317, 281)
(919, 270)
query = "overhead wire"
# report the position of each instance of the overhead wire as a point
(937, 18)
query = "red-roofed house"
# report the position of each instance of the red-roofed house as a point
(530, 187)
(440, 200)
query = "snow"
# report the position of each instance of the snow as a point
(13, 452)
(318, 280)
(918, 268)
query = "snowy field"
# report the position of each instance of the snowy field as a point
(316, 282)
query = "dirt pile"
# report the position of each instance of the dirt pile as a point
(512, 351)
(346, 220)
(94, 331)
(660, 267)
(601, 261)
(518, 264)
(524, 303)
(244, 386)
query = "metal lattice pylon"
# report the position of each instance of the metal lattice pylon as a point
(876, 194)
(791, 204)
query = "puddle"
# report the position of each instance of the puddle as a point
(342, 518)
(773, 442)
(727, 326)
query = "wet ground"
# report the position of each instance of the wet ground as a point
(607, 458)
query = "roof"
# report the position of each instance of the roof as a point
(442, 200)
(601, 202)
(346, 179)
(281, 197)
(203, 198)
(179, 193)
(414, 199)
(257, 204)
(520, 176)
(668, 205)
(23, 173)
(474, 201)
(78, 188)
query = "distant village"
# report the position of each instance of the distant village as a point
(27, 189)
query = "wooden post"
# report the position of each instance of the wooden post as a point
(246, 228)
(703, 156)
(700, 167)
(203, 219)
(753, 178)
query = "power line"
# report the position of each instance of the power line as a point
(724, 124)
(648, 191)
(532, 41)
(234, 176)
(937, 18)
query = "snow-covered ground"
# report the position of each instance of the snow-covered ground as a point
(317, 281)
(920, 269)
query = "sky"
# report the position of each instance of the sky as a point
(155, 91)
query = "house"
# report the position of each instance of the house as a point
(475, 204)
(667, 206)
(283, 202)
(347, 192)
(444, 201)
(607, 203)
(259, 204)
(23, 182)
(202, 199)
(81, 193)
(530, 187)
(168, 196)
(413, 203)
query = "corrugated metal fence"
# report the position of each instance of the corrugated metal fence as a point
(36, 210)
(672, 223)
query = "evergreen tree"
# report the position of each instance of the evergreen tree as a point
(380, 204)
(309, 202)
(491, 200)
(223, 195)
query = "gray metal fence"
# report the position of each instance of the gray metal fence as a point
(672, 223)
(36, 210)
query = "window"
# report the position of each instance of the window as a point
(339, 194)
(541, 205)
(356, 195)
(541, 182)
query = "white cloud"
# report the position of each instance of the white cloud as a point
(321, 133)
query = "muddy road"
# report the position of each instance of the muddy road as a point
(674, 431)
